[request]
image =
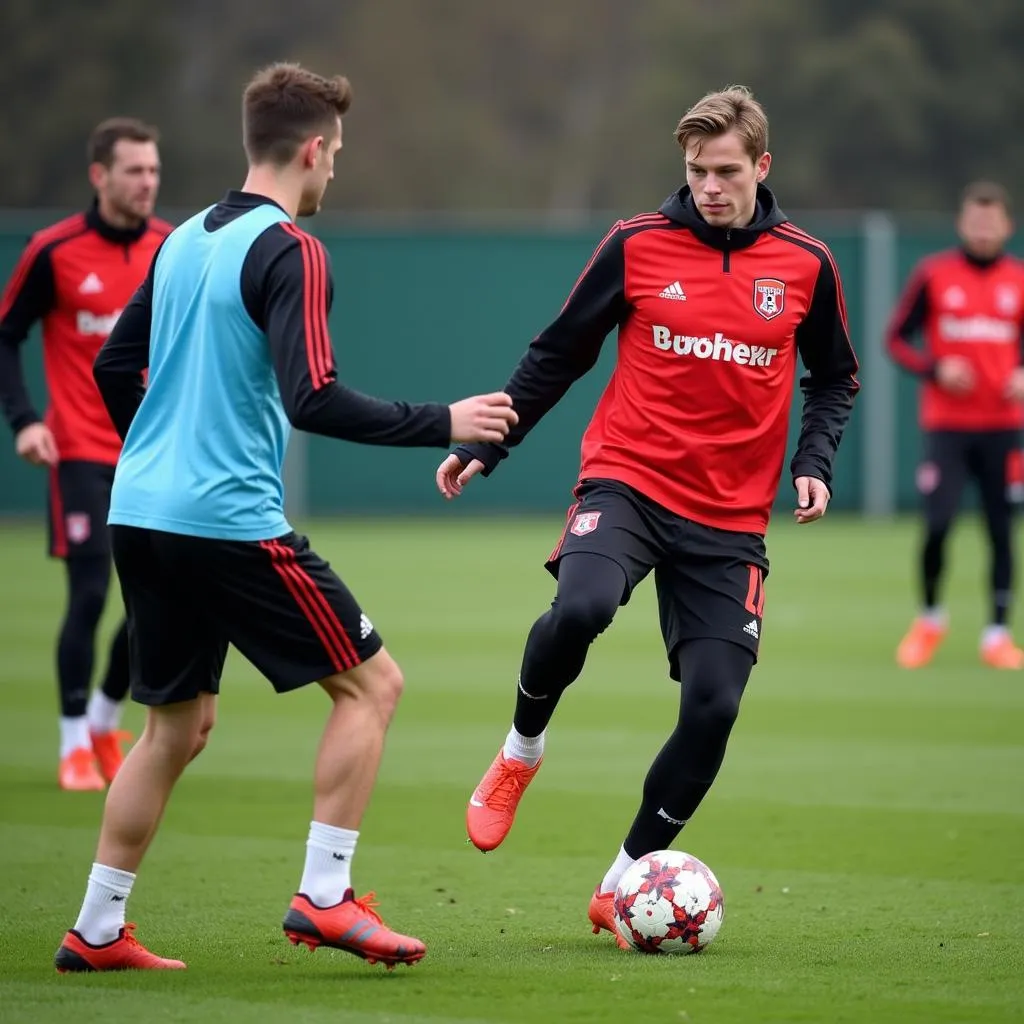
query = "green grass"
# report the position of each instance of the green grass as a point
(867, 827)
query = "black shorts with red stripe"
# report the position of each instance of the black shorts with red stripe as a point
(77, 506)
(276, 601)
(710, 582)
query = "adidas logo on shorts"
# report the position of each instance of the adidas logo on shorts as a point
(751, 628)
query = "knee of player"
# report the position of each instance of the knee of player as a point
(378, 680)
(87, 601)
(387, 685)
(585, 613)
(175, 745)
(202, 736)
(713, 699)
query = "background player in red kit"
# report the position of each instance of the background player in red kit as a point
(969, 305)
(713, 297)
(75, 277)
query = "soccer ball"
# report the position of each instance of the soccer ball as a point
(668, 902)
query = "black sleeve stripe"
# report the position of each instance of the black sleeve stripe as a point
(597, 252)
(42, 242)
(819, 249)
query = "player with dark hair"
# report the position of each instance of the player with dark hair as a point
(75, 277)
(968, 303)
(231, 323)
(714, 297)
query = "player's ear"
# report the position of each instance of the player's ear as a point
(762, 166)
(310, 151)
(97, 176)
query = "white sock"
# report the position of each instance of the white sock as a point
(74, 733)
(103, 713)
(936, 616)
(528, 749)
(328, 871)
(993, 634)
(622, 863)
(102, 916)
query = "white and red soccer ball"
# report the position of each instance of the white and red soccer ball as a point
(669, 902)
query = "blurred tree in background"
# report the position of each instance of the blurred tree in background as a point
(552, 106)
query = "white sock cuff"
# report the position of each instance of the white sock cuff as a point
(525, 743)
(103, 713)
(623, 861)
(115, 879)
(330, 837)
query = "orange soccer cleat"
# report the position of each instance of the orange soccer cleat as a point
(353, 926)
(1002, 652)
(602, 916)
(79, 772)
(107, 748)
(125, 953)
(492, 807)
(922, 640)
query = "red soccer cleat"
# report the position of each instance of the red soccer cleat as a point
(492, 807)
(79, 772)
(918, 646)
(125, 953)
(353, 926)
(107, 748)
(602, 916)
(1002, 652)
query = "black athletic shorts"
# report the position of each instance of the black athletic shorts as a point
(710, 582)
(78, 505)
(276, 601)
(993, 458)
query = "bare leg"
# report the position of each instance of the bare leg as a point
(324, 910)
(353, 740)
(140, 790)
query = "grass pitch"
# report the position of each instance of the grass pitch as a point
(867, 827)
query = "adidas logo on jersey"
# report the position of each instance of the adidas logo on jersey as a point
(365, 627)
(751, 628)
(92, 285)
(673, 291)
(719, 348)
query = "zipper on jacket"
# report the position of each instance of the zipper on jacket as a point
(725, 252)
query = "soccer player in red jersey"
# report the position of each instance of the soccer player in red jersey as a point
(968, 303)
(75, 277)
(714, 297)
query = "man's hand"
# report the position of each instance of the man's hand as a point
(35, 444)
(955, 375)
(451, 477)
(1015, 385)
(482, 418)
(812, 499)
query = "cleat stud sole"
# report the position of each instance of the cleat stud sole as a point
(295, 938)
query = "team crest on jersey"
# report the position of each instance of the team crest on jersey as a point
(78, 526)
(769, 297)
(1007, 299)
(584, 523)
(954, 297)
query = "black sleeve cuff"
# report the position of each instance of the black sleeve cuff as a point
(24, 419)
(808, 465)
(489, 454)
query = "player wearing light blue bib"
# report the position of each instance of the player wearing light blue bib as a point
(231, 324)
